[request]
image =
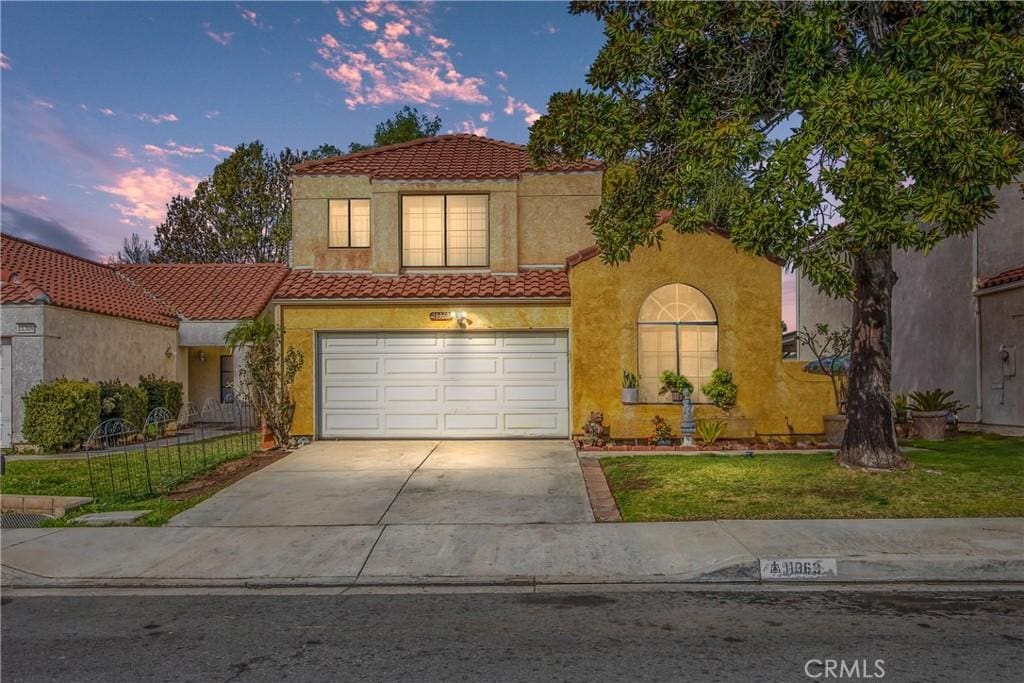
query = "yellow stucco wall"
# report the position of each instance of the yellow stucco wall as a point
(774, 397)
(553, 210)
(301, 323)
(204, 376)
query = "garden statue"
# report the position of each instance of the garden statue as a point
(689, 426)
(595, 433)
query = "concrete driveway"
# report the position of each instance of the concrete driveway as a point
(330, 483)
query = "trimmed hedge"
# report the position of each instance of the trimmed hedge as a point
(61, 414)
(124, 401)
(161, 392)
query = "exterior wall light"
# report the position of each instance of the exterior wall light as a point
(462, 319)
(202, 356)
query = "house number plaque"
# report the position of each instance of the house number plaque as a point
(440, 315)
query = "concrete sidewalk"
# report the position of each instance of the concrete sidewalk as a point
(925, 550)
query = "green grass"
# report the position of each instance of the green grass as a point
(966, 476)
(70, 477)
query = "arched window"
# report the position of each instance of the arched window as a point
(677, 330)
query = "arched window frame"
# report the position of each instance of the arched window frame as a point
(707, 359)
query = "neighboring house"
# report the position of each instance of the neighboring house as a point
(958, 317)
(65, 316)
(447, 288)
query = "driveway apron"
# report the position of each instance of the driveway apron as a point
(340, 483)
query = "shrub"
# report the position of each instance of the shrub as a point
(662, 430)
(675, 383)
(124, 401)
(721, 390)
(61, 414)
(161, 392)
(629, 380)
(710, 431)
(933, 401)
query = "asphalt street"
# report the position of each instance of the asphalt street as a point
(521, 636)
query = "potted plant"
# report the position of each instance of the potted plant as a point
(675, 384)
(930, 411)
(630, 387)
(662, 432)
(721, 390)
(831, 350)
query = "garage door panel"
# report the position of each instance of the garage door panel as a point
(438, 384)
(411, 365)
(411, 393)
(351, 366)
(358, 393)
(335, 421)
(469, 422)
(412, 422)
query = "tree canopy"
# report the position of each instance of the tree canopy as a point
(407, 124)
(810, 131)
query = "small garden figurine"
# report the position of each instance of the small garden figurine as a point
(662, 432)
(595, 433)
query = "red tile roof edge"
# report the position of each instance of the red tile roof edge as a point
(302, 168)
(1008, 276)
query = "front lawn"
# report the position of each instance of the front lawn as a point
(967, 476)
(70, 477)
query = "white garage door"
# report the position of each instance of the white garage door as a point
(444, 384)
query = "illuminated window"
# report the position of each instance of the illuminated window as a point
(677, 330)
(349, 223)
(444, 230)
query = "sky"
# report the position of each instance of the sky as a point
(110, 109)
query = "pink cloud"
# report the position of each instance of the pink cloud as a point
(469, 127)
(172, 149)
(5, 64)
(404, 64)
(122, 152)
(501, 74)
(156, 119)
(486, 116)
(144, 193)
(512, 105)
(212, 114)
(342, 19)
(106, 111)
(219, 38)
(223, 149)
(248, 15)
(45, 104)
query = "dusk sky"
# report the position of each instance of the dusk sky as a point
(110, 109)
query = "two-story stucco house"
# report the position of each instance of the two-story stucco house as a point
(446, 288)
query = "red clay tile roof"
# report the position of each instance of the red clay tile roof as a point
(1015, 274)
(446, 157)
(37, 274)
(210, 291)
(305, 284)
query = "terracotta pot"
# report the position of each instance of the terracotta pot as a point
(630, 395)
(835, 429)
(931, 425)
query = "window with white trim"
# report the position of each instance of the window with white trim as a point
(349, 224)
(444, 230)
(677, 330)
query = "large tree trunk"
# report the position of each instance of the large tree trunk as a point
(870, 440)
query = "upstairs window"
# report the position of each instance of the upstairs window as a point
(349, 223)
(444, 230)
(677, 330)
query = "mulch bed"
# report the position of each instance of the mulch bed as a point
(720, 445)
(225, 474)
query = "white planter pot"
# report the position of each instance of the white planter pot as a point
(630, 395)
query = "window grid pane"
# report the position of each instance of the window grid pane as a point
(423, 231)
(657, 352)
(467, 230)
(338, 223)
(360, 223)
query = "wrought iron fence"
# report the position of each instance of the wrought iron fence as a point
(127, 462)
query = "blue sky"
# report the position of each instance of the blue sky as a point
(109, 109)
